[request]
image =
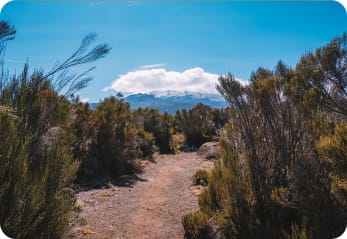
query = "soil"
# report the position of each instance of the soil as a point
(151, 207)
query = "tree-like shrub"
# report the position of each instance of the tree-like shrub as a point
(282, 166)
(37, 166)
(199, 125)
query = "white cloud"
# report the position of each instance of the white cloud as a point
(84, 100)
(160, 65)
(149, 80)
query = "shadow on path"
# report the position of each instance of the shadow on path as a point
(109, 182)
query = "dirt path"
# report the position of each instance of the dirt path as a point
(151, 208)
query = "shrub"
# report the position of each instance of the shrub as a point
(195, 226)
(200, 177)
(282, 166)
(147, 144)
(37, 154)
(161, 126)
(116, 137)
(200, 124)
(37, 166)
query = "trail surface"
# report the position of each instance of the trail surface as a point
(150, 208)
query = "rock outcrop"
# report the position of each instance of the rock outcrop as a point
(209, 150)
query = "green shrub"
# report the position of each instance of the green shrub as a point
(297, 232)
(37, 166)
(282, 167)
(116, 137)
(195, 226)
(200, 124)
(161, 126)
(201, 177)
(147, 144)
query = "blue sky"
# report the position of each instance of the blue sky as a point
(175, 45)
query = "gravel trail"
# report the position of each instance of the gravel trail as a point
(151, 208)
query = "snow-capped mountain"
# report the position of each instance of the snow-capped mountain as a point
(171, 101)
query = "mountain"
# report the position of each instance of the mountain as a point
(171, 101)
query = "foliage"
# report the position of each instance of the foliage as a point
(200, 175)
(39, 133)
(200, 124)
(324, 73)
(147, 144)
(159, 125)
(84, 146)
(282, 169)
(116, 136)
(112, 138)
(332, 150)
(195, 226)
(36, 163)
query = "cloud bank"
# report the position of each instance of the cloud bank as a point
(148, 80)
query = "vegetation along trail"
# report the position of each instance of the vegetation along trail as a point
(152, 207)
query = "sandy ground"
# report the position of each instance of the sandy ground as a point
(152, 207)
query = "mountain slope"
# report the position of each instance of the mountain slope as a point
(171, 101)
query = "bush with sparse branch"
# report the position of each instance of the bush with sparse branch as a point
(37, 166)
(282, 166)
(116, 137)
(160, 126)
(200, 124)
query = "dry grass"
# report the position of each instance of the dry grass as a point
(86, 231)
(197, 190)
(105, 194)
(177, 141)
(79, 204)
